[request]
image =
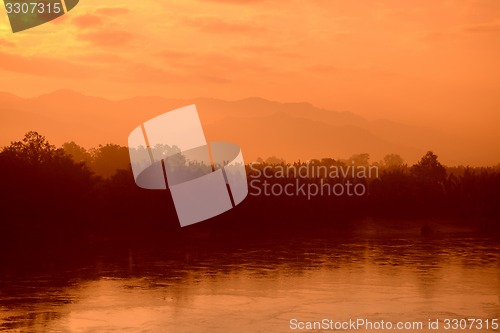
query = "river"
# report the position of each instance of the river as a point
(259, 287)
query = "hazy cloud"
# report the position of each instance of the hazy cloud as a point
(220, 26)
(41, 66)
(234, 2)
(6, 43)
(491, 27)
(107, 37)
(112, 11)
(87, 21)
(104, 58)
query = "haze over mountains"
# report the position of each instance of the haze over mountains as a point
(262, 128)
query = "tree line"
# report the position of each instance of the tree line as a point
(51, 193)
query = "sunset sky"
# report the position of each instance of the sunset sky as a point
(431, 62)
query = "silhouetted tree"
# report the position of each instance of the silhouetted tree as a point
(393, 161)
(34, 149)
(50, 195)
(328, 162)
(274, 160)
(78, 153)
(48, 191)
(429, 169)
(109, 158)
(360, 159)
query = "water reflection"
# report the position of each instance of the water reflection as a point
(256, 287)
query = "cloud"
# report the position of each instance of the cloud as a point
(41, 66)
(463, 31)
(235, 2)
(218, 26)
(439, 36)
(87, 21)
(105, 37)
(104, 58)
(170, 54)
(148, 73)
(269, 50)
(112, 11)
(6, 43)
(101, 27)
(212, 65)
(492, 27)
(159, 75)
(215, 79)
(324, 69)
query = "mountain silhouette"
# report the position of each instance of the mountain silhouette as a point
(261, 127)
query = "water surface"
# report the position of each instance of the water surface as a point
(256, 287)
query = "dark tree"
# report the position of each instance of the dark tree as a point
(109, 158)
(429, 169)
(47, 191)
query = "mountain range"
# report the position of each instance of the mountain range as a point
(263, 128)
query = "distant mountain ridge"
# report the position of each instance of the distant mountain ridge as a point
(263, 128)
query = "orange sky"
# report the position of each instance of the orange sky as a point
(416, 61)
